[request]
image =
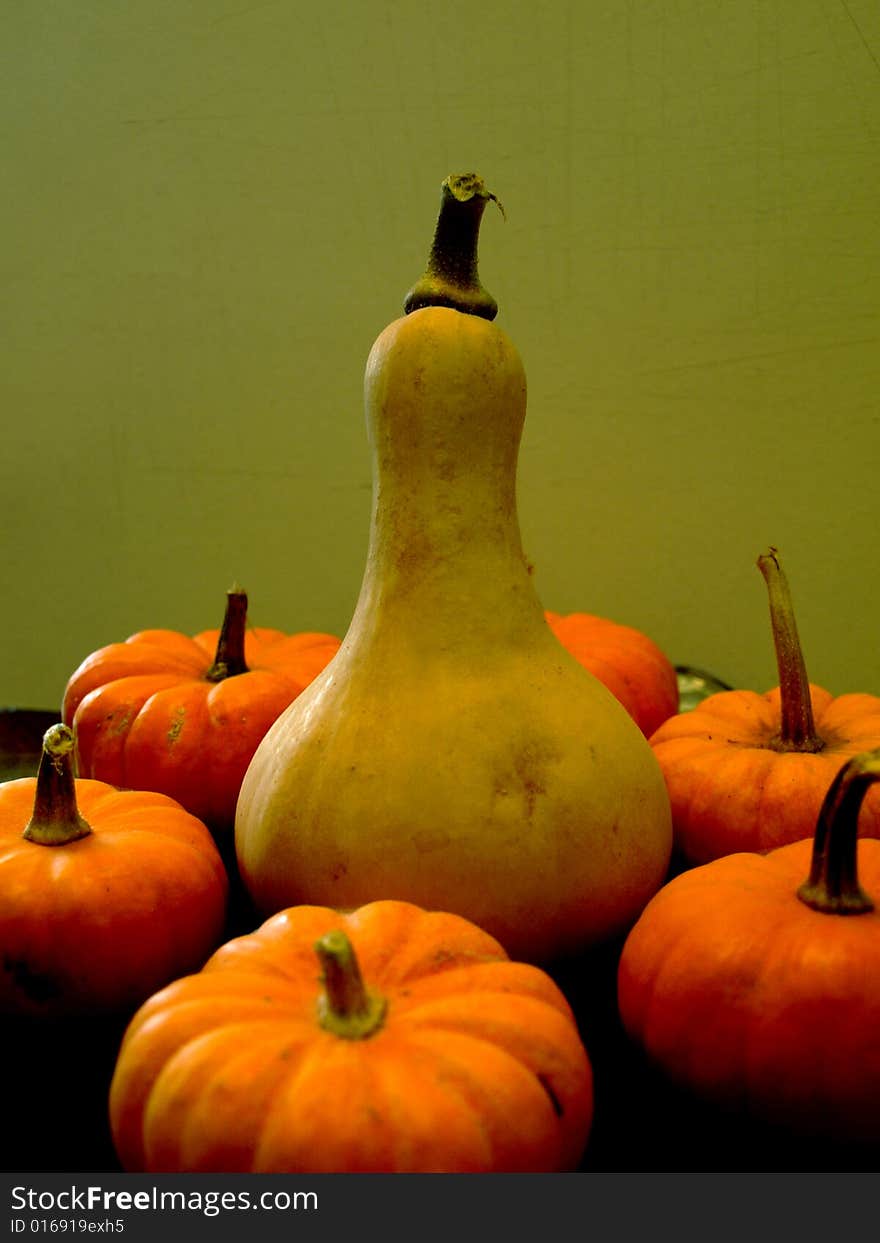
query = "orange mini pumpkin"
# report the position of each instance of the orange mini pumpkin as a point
(749, 771)
(443, 1056)
(754, 980)
(184, 715)
(105, 895)
(636, 671)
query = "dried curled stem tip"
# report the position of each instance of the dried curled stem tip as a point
(58, 741)
(464, 186)
(451, 278)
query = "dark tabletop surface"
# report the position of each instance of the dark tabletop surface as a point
(57, 1075)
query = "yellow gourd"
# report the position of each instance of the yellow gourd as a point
(452, 753)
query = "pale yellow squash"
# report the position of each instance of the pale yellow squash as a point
(452, 753)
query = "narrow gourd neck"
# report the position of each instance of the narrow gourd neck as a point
(445, 400)
(445, 397)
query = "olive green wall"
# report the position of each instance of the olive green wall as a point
(211, 208)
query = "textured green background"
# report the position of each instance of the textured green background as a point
(212, 207)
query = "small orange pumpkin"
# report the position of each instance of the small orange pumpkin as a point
(443, 1056)
(184, 715)
(754, 980)
(105, 895)
(631, 665)
(747, 771)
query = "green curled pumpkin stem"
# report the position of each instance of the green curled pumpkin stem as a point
(56, 820)
(797, 728)
(451, 277)
(229, 658)
(832, 886)
(345, 1007)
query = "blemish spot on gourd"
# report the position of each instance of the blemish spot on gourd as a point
(176, 726)
(35, 986)
(415, 554)
(531, 790)
(528, 773)
(443, 958)
(446, 469)
(118, 724)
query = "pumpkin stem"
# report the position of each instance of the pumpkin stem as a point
(451, 278)
(797, 732)
(345, 1008)
(229, 658)
(56, 819)
(833, 885)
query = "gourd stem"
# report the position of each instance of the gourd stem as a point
(832, 886)
(451, 277)
(345, 1007)
(797, 729)
(229, 658)
(56, 819)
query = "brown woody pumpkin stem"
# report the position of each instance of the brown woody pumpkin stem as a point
(451, 277)
(798, 731)
(56, 819)
(229, 658)
(345, 1007)
(833, 885)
